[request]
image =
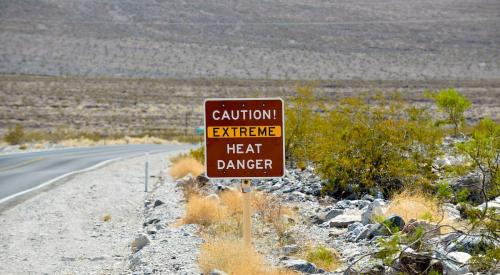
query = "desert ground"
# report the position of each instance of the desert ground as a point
(363, 39)
(141, 105)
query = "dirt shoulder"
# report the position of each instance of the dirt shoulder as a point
(63, 230)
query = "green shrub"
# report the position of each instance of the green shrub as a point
(483, 150)
(198, 154)
(362, 144)
(15, 135)
(323, 258)
(381, 145)
(301, 126)
(453, 104)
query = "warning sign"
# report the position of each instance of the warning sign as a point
(244, 138)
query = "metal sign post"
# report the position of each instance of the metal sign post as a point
(146, 173)
(246, 189)
(244, 139)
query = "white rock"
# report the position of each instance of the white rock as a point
(345, 219)
(458, 263)
(139, 242)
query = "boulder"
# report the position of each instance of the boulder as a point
(299, 265)
(393, 221)
(493, 204)
(429, 227)
(363, 234)
(157, 203)
(370, 269)
(139, 242)
(368, 197)
(375, 208)
(328, 215)
(469, 244)
(202, 180)
(452, 212)
(188, 179)
(353, 230)
(418, 263)
(343, 204)
(345, 219)
(457, 263)
(471, 182)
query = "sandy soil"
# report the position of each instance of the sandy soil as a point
(62, 231)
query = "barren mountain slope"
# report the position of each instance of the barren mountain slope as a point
(361, 39)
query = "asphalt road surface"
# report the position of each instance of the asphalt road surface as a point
(20, 173)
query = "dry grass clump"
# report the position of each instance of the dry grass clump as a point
(106, 218)
(232, 257)
(273, 212)
(185, 166)
(415, 205)
(233, 201)
(204, 211)
(323, 257)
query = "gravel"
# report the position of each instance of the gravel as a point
(62, 230)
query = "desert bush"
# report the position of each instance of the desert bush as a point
(204, 211)
(323, 257)
(198, 154)
(375, 144)
(184, 166)
(453, 104)
(273, 212)
(230, 256)
(483, 150)
(300, 124)
(15, 135)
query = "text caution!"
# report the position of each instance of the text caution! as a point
(244, 138)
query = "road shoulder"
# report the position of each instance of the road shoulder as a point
(63, 230)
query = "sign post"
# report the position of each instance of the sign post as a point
(246, 188)
(244, 139)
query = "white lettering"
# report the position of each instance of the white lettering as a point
(257, 164)
(214, 116)
(220, 164)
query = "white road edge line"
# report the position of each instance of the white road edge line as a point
(57, 179)
(76, 172)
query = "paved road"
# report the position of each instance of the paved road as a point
(24, 171)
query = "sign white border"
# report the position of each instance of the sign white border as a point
(249, 99)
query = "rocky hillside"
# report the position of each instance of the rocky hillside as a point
(346, 226)
(376, 39)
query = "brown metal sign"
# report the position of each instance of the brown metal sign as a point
(244, 138)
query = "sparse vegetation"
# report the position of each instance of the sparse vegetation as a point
(453, 104)
(230, 256)
(483, 150)
(323, 257)
(106, 218)
(365, 144)
(273, 212)
(185, 166)
(204, 211)
(15, 135)
(415, 204)
(198, 154)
